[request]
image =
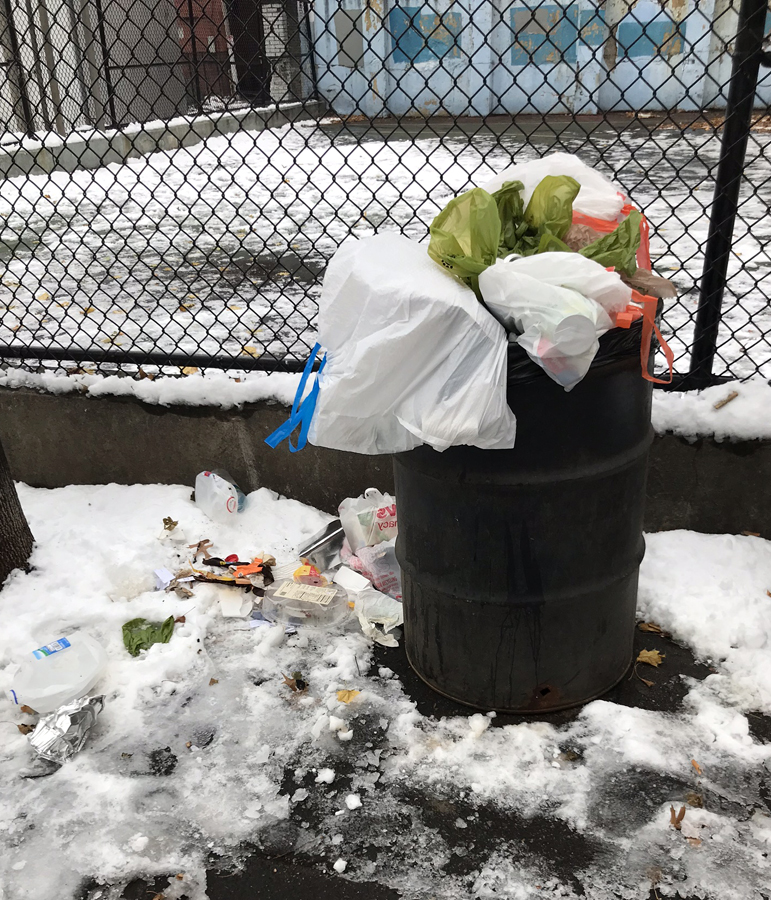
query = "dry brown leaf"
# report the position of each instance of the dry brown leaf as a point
(252, 351)
(180, 620)
(694, 842)
(185, 307)
(189, 370)
(751, 533)
(87, 310)
(651, 626)
(650, 657)
(646, 682)
(180, 876)
(43, 297)
(169, 524)
(26, 729)
(694, 799)
(696, 766)
(213, 681)
(27, 710)
(347, 696)
(676, 818)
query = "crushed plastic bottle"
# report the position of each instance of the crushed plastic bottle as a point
(217, 495)
(58, 673)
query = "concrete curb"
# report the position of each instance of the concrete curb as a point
(83, 150)
(55, 440)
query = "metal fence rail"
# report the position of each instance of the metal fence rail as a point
(146, 223)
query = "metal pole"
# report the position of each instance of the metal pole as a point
(26, 109)
(747, 57)
(194, 51)
(106, 63)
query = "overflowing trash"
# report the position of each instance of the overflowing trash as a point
(549, 255)
(62, 734)
(58, 673)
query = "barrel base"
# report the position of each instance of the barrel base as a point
(527, 711)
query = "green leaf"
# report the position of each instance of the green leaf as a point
(619, 248)
(139, 634)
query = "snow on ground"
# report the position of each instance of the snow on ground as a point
(128, 806)
(220, 247)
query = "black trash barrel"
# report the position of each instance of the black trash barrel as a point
(520, 566)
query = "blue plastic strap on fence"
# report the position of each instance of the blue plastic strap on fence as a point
(302, 410)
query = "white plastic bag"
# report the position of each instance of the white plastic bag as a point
(378, 564)
(218, 496)
(538, 302)
(412, 356)
(599, 197)
(368, 519)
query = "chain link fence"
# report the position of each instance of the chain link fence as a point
(177, 173)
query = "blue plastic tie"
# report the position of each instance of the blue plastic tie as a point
(302, 410)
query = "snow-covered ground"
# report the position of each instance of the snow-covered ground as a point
(244, 753)
(220, 247)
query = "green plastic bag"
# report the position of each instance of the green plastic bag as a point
(550, 209)
(139, 634)
(619, 248)
(465, 236)
(511, 212)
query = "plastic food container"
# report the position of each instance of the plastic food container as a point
(305, 604)
(58, 673)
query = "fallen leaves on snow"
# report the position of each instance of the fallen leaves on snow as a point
(696, 766)
(347, 696)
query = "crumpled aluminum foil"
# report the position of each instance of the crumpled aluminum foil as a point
(63, 733)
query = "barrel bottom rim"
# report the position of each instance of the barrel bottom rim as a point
(520, 711)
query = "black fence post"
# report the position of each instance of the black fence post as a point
(106, 64)
(21, 83)
(194, 54)
(747, 57)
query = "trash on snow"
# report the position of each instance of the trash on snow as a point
(63, 733)
(218, 496)
(323, 549)
(139, 634)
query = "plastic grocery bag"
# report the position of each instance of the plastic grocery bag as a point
(598, 196)
(557, 305)
(412, 357)
(369, 519)
(379, 564)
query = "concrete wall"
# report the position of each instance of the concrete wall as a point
(481, 57)
(52, 441)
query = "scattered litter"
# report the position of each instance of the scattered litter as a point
(696, 766)
(368, 519)
(379, 565)
(652, 628)
(235, 605)
(305, 604)
(726, 400)
(325, 776)
(163, 579)
(323, 549)
(351, 580)
(353, 801)
(307, 574)
(200, 548)
(213, 681)
(374, 609)
(347, 696)
(63, 733)
(218, 496)
(139, 634)
(58, 673)
(340, 866)
(751, 534)
(25, 729)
